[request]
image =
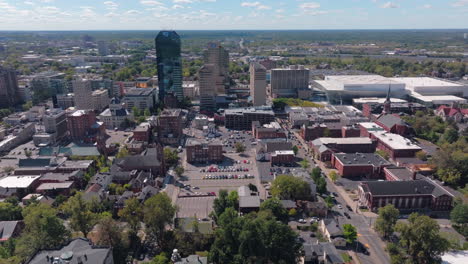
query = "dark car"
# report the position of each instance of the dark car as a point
(349, 208)
(347, 215)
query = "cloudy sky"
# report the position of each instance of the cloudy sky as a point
(231, 14)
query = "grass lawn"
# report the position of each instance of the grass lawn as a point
(346, 257)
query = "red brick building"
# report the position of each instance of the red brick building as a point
(393, 173)
(309, 133)
(323, 148)
(282, 157)
(79, 124)
(423, 194)
(350, 131)
(394, 124)
(170, 126)
(395, 145)
(202, 151)
(142, 132)
(368, 165)
(270, 131)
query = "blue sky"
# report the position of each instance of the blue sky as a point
(231, 14)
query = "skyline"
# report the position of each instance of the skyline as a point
(57, 15)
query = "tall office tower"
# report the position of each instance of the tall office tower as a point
(103, 48)
(9, 91)
(168, 48)
(83, 94)
(208, 79)
(258, 84)
(288, 81)
(218, 56)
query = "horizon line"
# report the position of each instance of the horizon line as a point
(334, 29)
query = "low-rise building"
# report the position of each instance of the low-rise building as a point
(141, 98)
(394, 124)
(282, 157)
(322, 253)
(368, 127)
(395, 145)
(452, 113)
(366, 165)
(332, 232)
(413, 195)
(323, 148)
(267, 131)
(16, 136)
(200, 151)
(142, 132)
(18, 185)
(79, 250)
(315, 131)
(242, 118)
(10, 229)
(116, 115)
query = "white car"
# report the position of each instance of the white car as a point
(339, 206)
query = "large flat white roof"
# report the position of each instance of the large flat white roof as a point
(442, 99)
(395, 141)
(350, 140)
(377, 100)
(424, 81)
(361, 79)
(17, 181)
(371, 126)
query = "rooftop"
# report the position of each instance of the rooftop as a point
(361, 79)
(376, 100)
(136, 92)
(249, 201)
(395, 141)
(342, 141)
(251, 110)
(19, 182)
(424, 81)
(360, 159)
(424, 186)
(371, 126)
(54, 186)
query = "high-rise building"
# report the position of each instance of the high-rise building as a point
(288, 81)
(218, 56)
(55, 122)
(258, 84)
(83, 94)
(100, 100)
(9, 95)
(103, 48)
(168, 49)
(209, 83)
(79, 123)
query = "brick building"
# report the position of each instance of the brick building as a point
(199, 151)
(142, 132)
(394, 173)
(268, 131)
(366, 128)
(394, 124)
(395, 145)
(282, 157)
(321, 130)
(242, 118)
(413, 195)
(323, 148)
(368, 165)
(170, 126)
(79, 123)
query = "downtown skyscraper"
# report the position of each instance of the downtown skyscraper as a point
(168, 49)
(9, 91)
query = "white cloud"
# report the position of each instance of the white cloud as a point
(150, 3)
(309, 5)
(111, 5)
(182, 1)
(177, 7)
(460, 3)
(256, 5)
(390, 5)
(427, 6)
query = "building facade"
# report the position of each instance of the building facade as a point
(170, 126)
(242, 118)
(168, 55)
(203, 151)
(287, 82)
(55, 122)
(100, 100)
(258, 84)
(141, 98)
(83, 94)
(9, 91)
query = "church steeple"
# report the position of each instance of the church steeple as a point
(388, 103)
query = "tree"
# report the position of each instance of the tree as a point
(10, 212)
(321, 185)
(383, 154)
(288, 187)
(350, 233)
(329, 201)
(81, 218)
(333, 176)
(111, 233)
(316, 173)
(385, 223)
(420, 239)
(132, 213)
(450, 135)
(421, 155)
(170, 157)
(459, 216)
(43, 229)
(240, 148)
(305, 164)
(179, 170)
(160, 259)
(158, 212)
(27, 153)
(123, 152)
(276, 208)
(295, 149)
(224, 201)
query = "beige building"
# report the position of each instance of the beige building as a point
(258, 84)
(100, 100)
(286, 82)
(218, 56)
(83, 94)
(209, 83)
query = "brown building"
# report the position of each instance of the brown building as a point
(142, 132)
(315, 131)
(395, 145)
(270, 131)
(242, 118)
(282, 157)
(423, 194)
(170, 126)
(324, 147)
(394, 124)
(366, 165)
(79, 123)
(200, 151)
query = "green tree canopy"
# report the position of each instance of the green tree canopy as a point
(288, 187)
(81, 217)
(158, 213)
(459, 216)
(276, 208)
(132, 213)
(350, 233)
(385, 223)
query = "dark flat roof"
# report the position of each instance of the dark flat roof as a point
(361, 159)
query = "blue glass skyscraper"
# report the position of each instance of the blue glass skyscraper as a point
(168, 49)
